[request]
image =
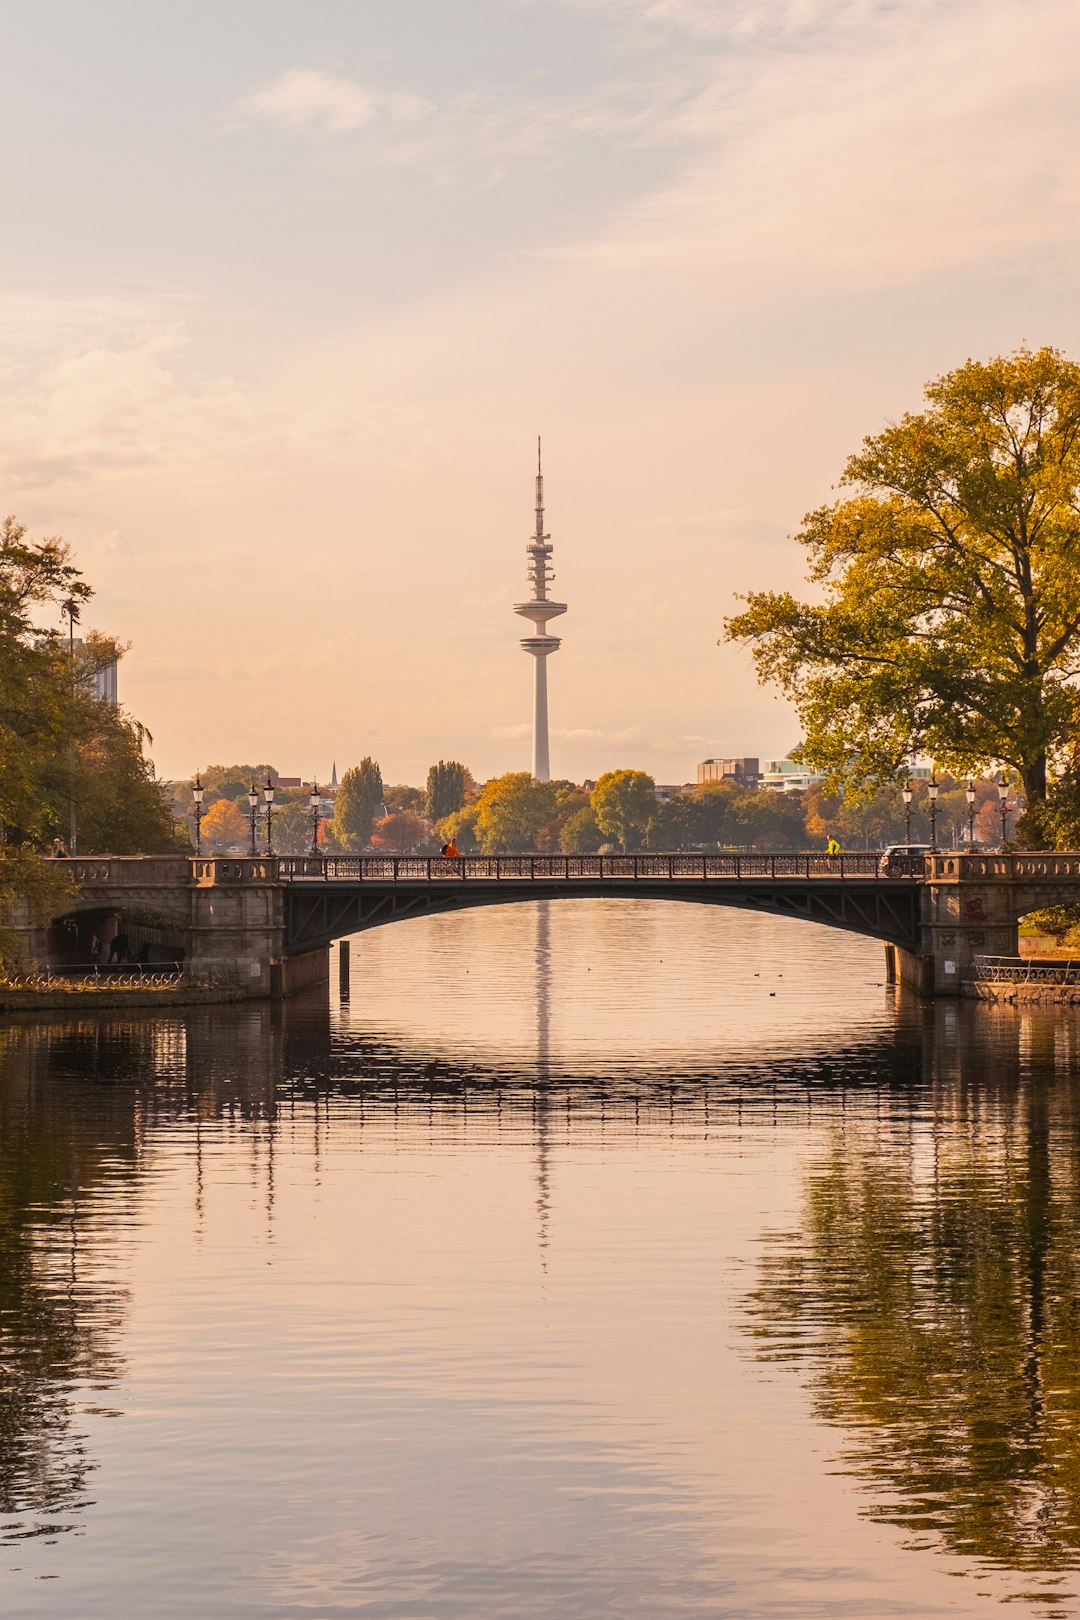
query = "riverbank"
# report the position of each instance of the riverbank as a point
(56, 998)
(1025, 995)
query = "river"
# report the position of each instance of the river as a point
(586, 1258)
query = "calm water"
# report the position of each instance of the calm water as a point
(589, 1259)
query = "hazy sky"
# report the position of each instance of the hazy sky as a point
(290, 289)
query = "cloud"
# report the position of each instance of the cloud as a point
(893, 143)
(320, 104)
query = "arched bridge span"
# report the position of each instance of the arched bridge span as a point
(331, 897)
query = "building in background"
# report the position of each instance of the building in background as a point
(539, 608)
(788, 776)
(745, 771)
(103, 681)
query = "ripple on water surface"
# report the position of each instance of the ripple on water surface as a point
(589, 1259)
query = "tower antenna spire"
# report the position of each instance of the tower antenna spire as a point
(540, 608)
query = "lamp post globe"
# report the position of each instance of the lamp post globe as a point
(268, 795)
(197, 791)
(314, 800)
(253, 801)
(933, 788)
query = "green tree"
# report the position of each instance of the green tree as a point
(950, 623)
(460, 829)
(624, 802)
(38, 690)
(357, 804)
(512, 810)
(403, 797)
(448, 785)
(579, 834)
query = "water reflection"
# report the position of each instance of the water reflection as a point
(431, 1316)
(60, 1310)
(932, 1290)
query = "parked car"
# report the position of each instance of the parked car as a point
(900, 860)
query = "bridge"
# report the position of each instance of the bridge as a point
(265, 923)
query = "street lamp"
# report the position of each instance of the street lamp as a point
(253, 799)
(969, 795)
(906, 793)
(314, 799)
(933, 788)
(268, 795)
(197, 791)
(71, 608)
(1003, 805)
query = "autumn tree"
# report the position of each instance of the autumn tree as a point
(225, 830)
(448, 785)
(623, 803)
(512, 810)
(358, 800)
(401, 833)
(948, 622)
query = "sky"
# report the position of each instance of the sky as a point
(289, 291)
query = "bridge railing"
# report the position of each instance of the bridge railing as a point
(540, 868)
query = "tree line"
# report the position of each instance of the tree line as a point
(621, 812)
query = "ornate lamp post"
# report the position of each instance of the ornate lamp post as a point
(906, 793)
(933, 788)
(969, 795)
(253, 800)
(314, 799)
(268, 795)
(71, 608)
(1003, 806)
(197, 791)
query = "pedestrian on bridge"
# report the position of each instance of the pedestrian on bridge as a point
(832, 848)
(450, 851)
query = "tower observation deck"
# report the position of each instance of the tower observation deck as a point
(540, 608)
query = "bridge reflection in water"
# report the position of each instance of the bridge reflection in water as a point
(925, 1290)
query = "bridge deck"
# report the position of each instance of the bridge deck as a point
(413, 869)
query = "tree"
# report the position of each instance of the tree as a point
(448, 785)
(403, 797)
(579, 834)
(356, 806)
(512, 810)
(38, 689)
(402, 833)
(624, 802)
(459, 829)
(225, 830)
(292, 823)
(951, 616)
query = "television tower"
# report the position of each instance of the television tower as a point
(540, 609)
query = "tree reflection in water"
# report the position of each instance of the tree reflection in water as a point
(58, 1311)
(934, 1292)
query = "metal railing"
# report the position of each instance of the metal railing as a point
(79, 981)
(1027, 970)
(544, 868)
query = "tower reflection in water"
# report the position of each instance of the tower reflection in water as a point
(928, 1293)
(932, 1291)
